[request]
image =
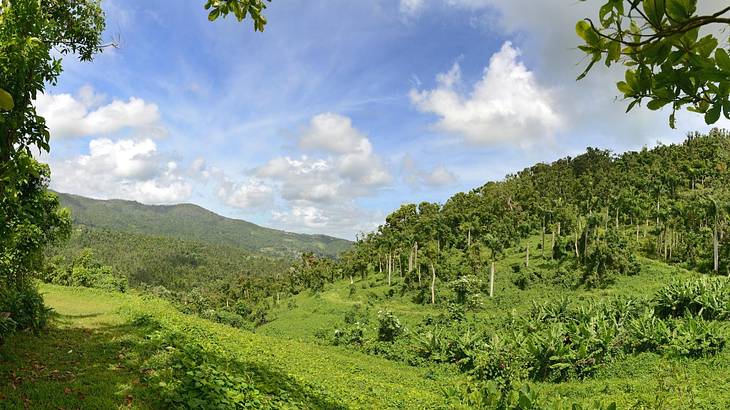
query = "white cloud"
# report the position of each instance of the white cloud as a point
(439, 176)
(411, 7)
(249, 195)
(333, 133)
(85, 114)
(342, 220)
(125, 169)
(507, 106)
(317, 190)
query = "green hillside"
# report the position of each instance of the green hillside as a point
(193, 223)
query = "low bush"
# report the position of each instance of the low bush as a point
(84, 271)
(705, 297)
(389, 327)
(22, 308)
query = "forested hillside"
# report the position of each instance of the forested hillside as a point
(594, 212)
(193, 223)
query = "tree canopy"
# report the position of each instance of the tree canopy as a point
(240, 9)
(672, 56)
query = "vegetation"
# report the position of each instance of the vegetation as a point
(666, 60)
(193, 223)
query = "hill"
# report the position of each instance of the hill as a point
(113, 350)
(193, 223)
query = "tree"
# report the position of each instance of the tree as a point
(667, 63)
(240, 9)
(33, 34)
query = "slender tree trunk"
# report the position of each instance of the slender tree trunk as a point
(400, 265)
(616, 218)
(410, 261)
(390, 266)
(468, 239)
(352, 281)
(433, 284)
(585, 246)
(715, 250)
(558, 229)
(527, 256)
(552, 243)
(491, 281)
(543, 241)
(415, 260)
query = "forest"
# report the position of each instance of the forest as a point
(131, 277)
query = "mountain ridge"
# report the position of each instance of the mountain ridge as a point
(193, 222)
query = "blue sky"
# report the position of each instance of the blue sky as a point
(338, 113)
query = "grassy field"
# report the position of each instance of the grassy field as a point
(93, 357)
(97, 354)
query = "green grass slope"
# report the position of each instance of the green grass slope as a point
(94, 356)
(647, 380)
(191, 222)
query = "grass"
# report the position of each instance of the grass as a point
(81, 361)
(92, 357)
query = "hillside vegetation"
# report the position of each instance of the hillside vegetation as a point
(193, 223)
(594, 282)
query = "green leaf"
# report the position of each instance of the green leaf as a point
(6, 100)
(722, 59)
(657, 104)
(713, 114)
(214, 14)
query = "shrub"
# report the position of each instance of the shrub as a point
(647, 333)
(389, 327)
(84, 271)
(7, 326)
(705, 297)
(23, 307)
(695, 337)
(500, 362)
(195, 381)
(353, 334)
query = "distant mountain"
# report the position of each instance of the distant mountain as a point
(194, 223)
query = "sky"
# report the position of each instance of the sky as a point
(338, 113)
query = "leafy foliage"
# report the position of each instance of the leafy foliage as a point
(84, 271)
(666, 60)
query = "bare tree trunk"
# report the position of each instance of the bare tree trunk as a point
(585, 246)
(410, 261)
(400, 265)
(552, 243)
(527, 256)
(616, 218)
(491, 281)
(415, 260)
(715, 250)
(390, 266)
(637, 233)
(433, 284)
(543, 241)
(558, 229)
(468, 239)
(352, 281)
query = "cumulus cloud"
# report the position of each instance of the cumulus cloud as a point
(251, 194)
(124, 169)
(591, 110)
(439, 176)
(342, 220)
(315, 191)
(349, 169)
(507, 105)
(86, 114)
